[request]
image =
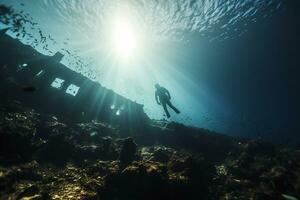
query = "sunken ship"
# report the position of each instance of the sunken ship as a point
(42, 81)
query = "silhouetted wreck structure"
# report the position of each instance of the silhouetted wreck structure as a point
(57, 89)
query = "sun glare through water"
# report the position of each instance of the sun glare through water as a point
(124, 39)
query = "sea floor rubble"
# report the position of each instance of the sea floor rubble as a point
(43, 157)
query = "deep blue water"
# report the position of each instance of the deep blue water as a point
(231, 66)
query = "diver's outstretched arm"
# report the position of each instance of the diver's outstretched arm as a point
(156, 98)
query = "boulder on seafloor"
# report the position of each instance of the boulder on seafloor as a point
(128, 151)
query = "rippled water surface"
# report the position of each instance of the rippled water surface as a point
(163, 18)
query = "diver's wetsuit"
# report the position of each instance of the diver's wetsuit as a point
(163, 97)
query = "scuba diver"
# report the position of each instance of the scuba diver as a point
(163, 97)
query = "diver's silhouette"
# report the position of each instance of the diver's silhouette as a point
(163, 97)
